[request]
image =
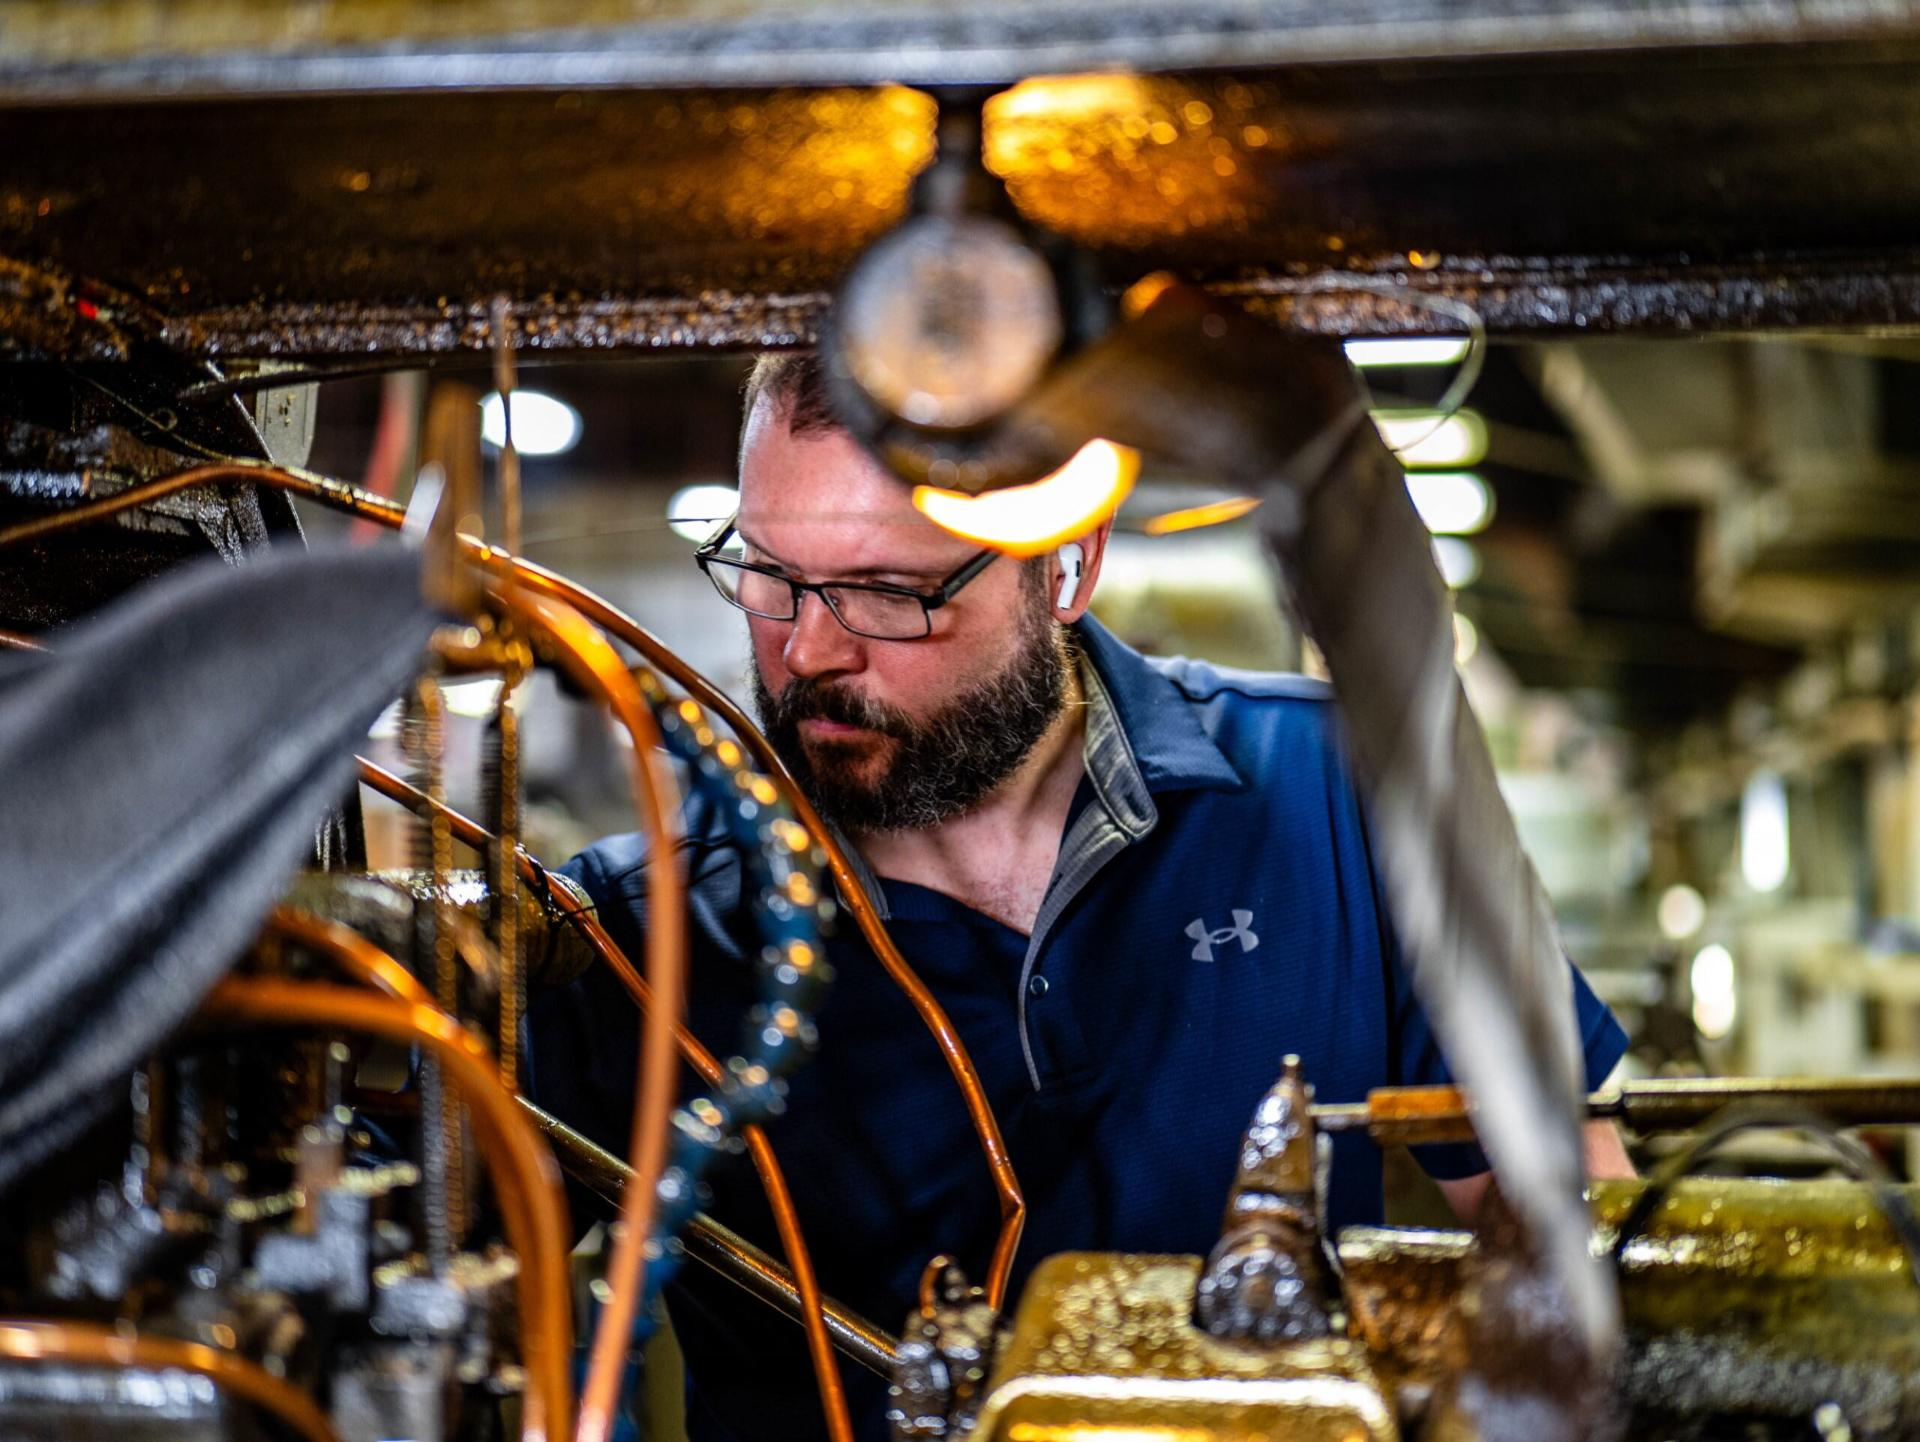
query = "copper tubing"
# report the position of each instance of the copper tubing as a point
(14, 641)
(722, 1250)
(323, 489)
(525, 1179)
(584, 923)
(347, 498)
(786, 1217)
(986, 1127)
(30, 1340)
(359, 958)
(588, 656)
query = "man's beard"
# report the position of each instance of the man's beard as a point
(940, 767)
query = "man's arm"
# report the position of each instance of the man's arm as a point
(1602, 1148)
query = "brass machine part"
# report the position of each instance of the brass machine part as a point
(586, 655)
(810, 1308)
(337, 495)
(1266, 1279)
(29, 1340)
(526, 1181)
(352, 953)
(379, 905)
(1411, 1116)
(723, 1250)
(1103, 1345)
(1738, 1292)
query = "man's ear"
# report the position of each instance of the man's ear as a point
(1070, 604)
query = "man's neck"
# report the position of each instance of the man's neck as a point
(999, 857)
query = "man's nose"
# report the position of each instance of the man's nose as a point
(817, 644)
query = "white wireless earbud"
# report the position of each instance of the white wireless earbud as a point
(1072, 558)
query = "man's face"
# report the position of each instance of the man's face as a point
(887, 735)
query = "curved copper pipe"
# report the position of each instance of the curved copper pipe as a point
(346, 498)
(25, 1339)
(353, 953)
(773, 1180)
(590, 658)
(526, 1181)
(324, 489)
(14, 641)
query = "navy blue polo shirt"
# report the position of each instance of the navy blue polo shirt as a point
(1214, 907)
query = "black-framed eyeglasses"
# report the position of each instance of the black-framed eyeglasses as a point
(872, 609)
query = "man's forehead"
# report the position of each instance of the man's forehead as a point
(823, 484)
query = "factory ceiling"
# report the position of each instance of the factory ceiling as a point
(700, 174)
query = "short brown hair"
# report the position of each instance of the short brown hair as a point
(796, 383)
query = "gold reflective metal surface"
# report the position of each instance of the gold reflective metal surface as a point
(1741, 1297)
(1104, 1350)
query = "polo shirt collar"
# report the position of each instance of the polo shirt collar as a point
(1144, 735)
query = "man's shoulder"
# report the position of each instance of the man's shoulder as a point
(1268, 725)
(1203, 681)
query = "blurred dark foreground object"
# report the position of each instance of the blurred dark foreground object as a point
(162, 772)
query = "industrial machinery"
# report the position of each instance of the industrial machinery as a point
(261, 1159)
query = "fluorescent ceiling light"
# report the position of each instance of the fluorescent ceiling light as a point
(1452, 503)
(1428, 440)
(1763, 831)
(1458, 561)
(696, 511)
(1425, 350)
(1681, 913)
(1711, 979)
(543, 425)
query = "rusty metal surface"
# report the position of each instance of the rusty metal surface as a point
(1410, 1116)
(1671, 190)
(1105, 1341)
(1742, 1298)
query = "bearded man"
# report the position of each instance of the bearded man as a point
(1134, 886)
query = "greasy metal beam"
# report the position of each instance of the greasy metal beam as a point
(1674, 190)
(144, 49)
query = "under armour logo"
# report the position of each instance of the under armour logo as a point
(1205, 941)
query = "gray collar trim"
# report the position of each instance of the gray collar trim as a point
(1111, 765)
(1112, 769)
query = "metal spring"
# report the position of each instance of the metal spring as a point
(502, 811)
(443, 1153)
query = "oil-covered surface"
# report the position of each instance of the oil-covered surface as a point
(164, 47)
(1663, 191)
(1104, 1341)
(380, 905)
(1742, 1299)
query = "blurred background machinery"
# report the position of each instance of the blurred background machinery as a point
(1678, 516)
